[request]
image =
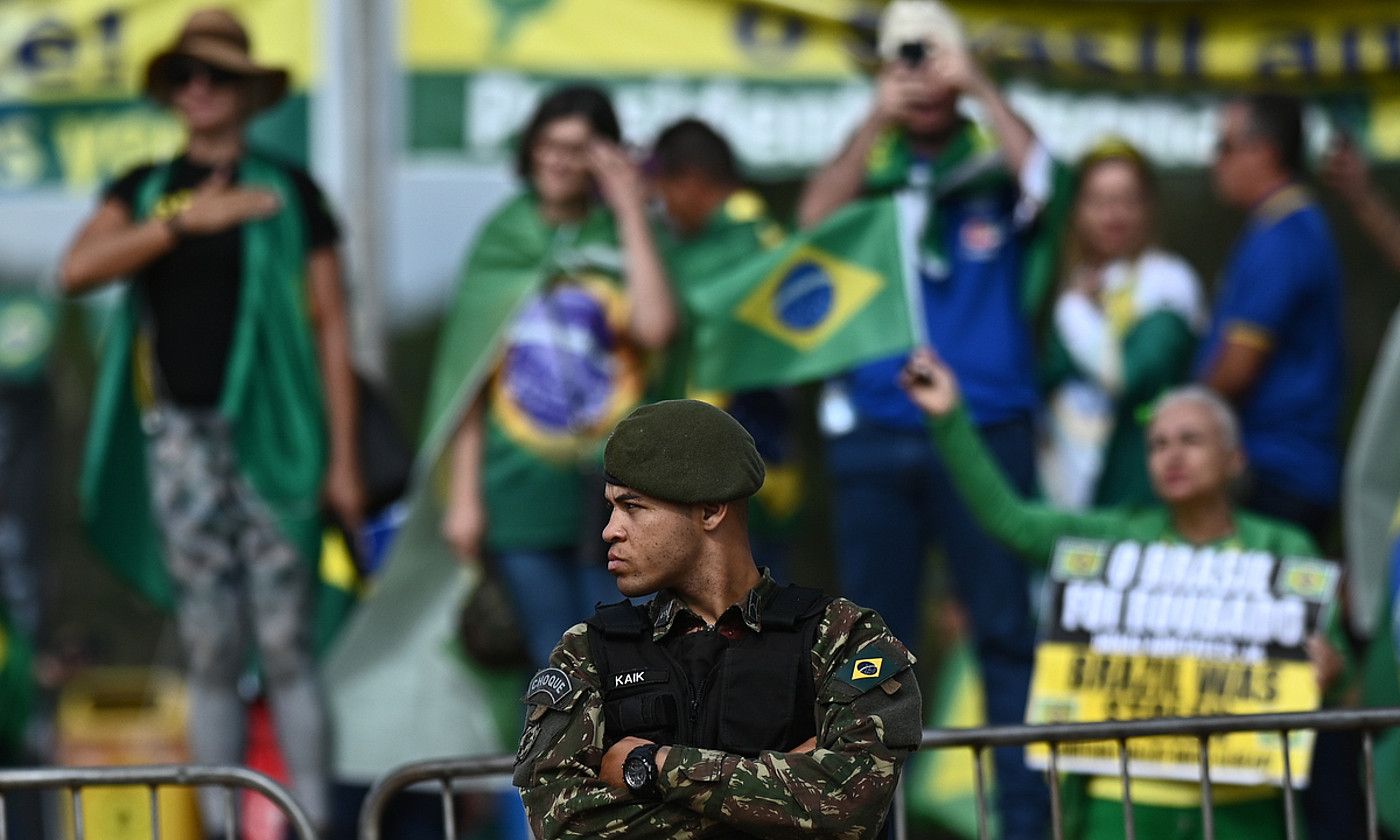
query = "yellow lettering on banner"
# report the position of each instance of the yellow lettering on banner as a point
(754, 40)
(65, 50)
(1229, 43)
(1073, 683)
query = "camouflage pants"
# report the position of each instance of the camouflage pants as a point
(234, 571)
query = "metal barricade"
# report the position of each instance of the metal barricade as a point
(444, 773)
(153, 778)
(1367, 721)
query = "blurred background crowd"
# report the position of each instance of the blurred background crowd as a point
(399, 268)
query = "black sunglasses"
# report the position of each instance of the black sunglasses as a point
(187, 70)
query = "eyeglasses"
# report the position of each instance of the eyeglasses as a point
(187, 70)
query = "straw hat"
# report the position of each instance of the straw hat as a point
(215, 37)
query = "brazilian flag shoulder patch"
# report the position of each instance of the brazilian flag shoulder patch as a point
(872, 665)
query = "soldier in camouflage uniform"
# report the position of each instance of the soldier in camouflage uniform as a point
(697, 715)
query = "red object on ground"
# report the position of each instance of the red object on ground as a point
(262, 820)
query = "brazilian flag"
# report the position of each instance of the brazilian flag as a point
(826, 300)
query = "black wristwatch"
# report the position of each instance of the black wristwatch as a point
(640, 772)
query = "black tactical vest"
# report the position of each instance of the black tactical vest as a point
(758, 696)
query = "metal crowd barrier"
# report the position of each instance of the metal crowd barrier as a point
(444, 774)
(231, 779)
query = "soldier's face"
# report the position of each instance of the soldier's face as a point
(652, 544)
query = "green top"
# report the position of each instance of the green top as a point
(842, 789)
(272, 397)
(1033, 529)
(539, 327)
(737, 231)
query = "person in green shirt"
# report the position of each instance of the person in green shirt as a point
(712, 225)
(1193, 459)
(561, 298)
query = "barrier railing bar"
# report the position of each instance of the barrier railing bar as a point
(1288, 815)
(78, 822)
(1057, 828)
(901, 819)
(4, 820)
(981, 786)
(230, 812)
(408, 775)
(1368, 747)
(449, 816)
(153, 797)
(1129, 828)
(1056, 735)
(1039, 733)
(73, 779)
(1207, 794)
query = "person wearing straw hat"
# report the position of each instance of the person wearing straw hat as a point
(224, 413)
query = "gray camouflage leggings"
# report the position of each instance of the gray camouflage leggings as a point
(232, 567)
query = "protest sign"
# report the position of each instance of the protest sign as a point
(1155, 630)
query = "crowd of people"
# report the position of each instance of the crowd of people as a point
(1069, 349)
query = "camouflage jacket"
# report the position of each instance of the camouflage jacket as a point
(868, 713)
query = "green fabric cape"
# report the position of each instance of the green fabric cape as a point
(271, 397)
(401, 688)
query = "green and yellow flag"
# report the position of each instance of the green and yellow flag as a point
(826, 300)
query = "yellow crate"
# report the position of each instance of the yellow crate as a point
(126, 716)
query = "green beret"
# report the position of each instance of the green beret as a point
(683, 451)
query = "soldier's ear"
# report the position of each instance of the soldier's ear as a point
(713, 514)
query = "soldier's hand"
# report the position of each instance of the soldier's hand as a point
(610, 771)
(806, 746)
(930, 383)
(217, 205)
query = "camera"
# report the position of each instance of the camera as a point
(913, 53)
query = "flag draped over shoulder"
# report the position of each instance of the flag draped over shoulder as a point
(826, 300)
(271, 398)
(401, 687)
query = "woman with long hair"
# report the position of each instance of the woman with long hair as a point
(560, 299)
(1125, 324)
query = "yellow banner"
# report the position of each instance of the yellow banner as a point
(1073, 684)
(1142, 631)
(64, 50)
(621, 37)
(1349, 42)
(75, 69)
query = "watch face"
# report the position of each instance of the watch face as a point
(635, 772)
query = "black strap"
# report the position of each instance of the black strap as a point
(789, 605)
(623, 620)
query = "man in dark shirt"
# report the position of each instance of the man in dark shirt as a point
(225, 407)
